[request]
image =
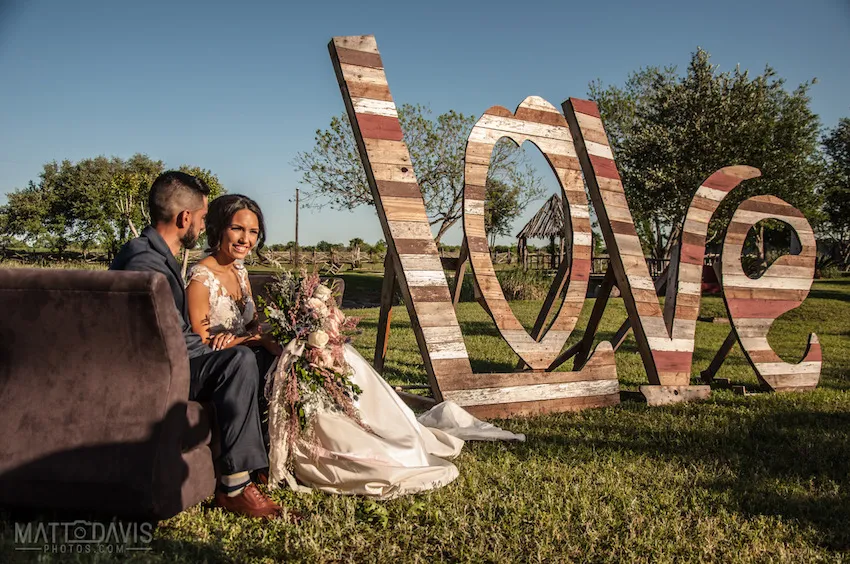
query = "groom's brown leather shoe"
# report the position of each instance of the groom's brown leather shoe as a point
(251, 502)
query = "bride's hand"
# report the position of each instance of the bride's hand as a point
(220, 341)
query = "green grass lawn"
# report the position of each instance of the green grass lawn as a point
(757, 478)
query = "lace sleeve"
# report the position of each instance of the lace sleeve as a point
(204, 275)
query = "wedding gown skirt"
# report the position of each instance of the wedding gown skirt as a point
(401, 455)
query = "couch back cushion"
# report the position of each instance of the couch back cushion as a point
(90, 364)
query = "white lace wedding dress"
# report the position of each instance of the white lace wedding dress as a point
(399, 453)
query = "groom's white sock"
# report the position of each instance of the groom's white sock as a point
(234, 484)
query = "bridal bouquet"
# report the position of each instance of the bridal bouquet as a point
(312, 374)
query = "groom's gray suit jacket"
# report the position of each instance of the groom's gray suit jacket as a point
(149, 252)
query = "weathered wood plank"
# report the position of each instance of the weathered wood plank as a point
(533, 392)
(666, 395)
(514, 409)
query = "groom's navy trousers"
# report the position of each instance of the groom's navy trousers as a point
(229, 378)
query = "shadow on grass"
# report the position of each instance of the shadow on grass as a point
(827, 295)
(790, 461)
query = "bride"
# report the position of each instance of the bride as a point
(388, 452)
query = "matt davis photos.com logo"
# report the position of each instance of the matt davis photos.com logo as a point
(83, 537)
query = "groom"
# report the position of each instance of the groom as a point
(229, 378)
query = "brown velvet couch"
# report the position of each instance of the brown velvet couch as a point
(94, 386)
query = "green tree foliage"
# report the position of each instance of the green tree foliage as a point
(670, 132)
(216, 188)
(94, 203)
(503, 204)
(836, 188)
(437, 147)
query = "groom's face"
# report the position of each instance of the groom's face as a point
(195, 226)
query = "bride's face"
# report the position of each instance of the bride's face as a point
(241, 235)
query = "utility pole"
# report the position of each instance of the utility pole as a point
(297, 248)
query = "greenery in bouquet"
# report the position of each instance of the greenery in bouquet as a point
(305, 320)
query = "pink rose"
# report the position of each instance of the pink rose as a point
(326, 359)
(332, 327)
(322, 292)
(318, 306)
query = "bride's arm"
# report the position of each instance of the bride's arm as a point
(198, 301)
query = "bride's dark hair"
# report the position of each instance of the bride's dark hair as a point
(220, 214)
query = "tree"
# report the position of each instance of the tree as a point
(211, 180)
(670, 132)
(26, 211)
(503, 204)
(90, 203)
(93, 203)
(437, 146)
(130, 186)
(836, 190)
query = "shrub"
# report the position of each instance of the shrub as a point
(517, 284)
(826, 267)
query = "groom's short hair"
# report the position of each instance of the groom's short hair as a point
(174, 191)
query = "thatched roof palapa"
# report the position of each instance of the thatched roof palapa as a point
(548, 222)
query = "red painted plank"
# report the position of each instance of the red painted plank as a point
(359, 58)
(759, 308)
(673, 361)
(399, 189)
(721, 181)
(379, 127)
(540, 116)
(585, 107)
(604, 168)
(815, 354)
(692, 254)
(580, 270)
(782, 209)
(500, 111)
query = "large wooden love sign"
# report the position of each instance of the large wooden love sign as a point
(576, 147)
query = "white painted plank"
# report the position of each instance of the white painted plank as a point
(535, 392)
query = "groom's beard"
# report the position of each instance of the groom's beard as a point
(190, 238)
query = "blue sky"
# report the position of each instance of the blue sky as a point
(240, 88)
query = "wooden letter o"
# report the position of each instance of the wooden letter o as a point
(539, 122)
